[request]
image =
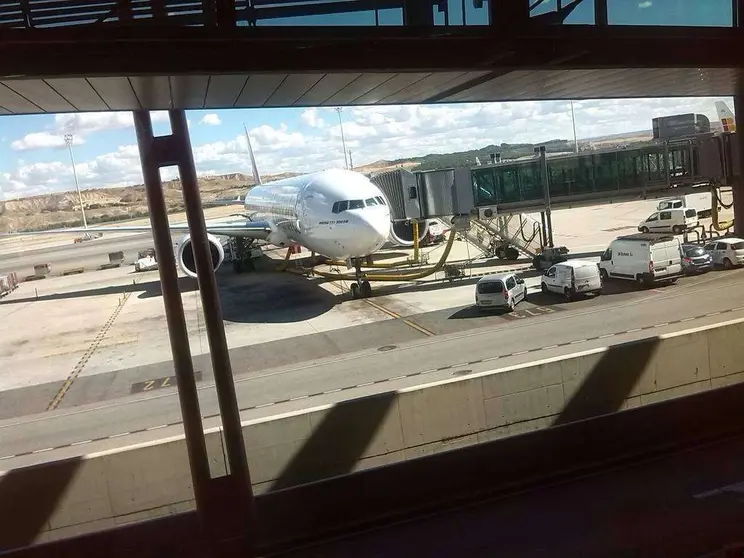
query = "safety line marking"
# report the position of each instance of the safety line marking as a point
(54, 403)
(366, 384)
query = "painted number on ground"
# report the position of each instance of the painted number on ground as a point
(523, 313)
(159, 383)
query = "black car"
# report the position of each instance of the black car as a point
(695, 259)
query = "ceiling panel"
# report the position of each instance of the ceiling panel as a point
(326, 88)
(3, 110)
(363, 84)
(431, 84)
(390, 87)
(258, 89)
(78, 93)
(189, 92)
(223, 90)
(292, 89)
(43, 96)
(153, 92)
(15, 103)
(116, 92)
(425, 94)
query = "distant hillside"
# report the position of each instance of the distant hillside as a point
(467, 158)
(106, 205)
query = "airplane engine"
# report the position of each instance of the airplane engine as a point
(401, 233)
(185, 254)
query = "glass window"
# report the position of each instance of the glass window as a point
(370, 201)
(380, 199)
(720, 246)
(711, 246)
(737, 246)
(653, 217)
(697, 13)
(484, 181)
(690, 213)
(340, 206)
(356, 204)
(511, 283)
(551, 272)
(665, 215)
(490, 287)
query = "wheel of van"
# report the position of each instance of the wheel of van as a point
(640, 282)
(727, 264)
(567, 294)
(544, 288)
(604, 275)
(676, 229)
(510, 306)
(644, 229)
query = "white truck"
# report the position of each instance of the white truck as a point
(702, 202)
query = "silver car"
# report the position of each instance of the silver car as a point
(503, 290)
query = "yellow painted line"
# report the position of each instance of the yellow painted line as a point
(54, 403)
(397, 316)
(390, 313)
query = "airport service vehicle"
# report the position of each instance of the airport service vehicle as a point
(571, 278)
(644, 258)
(700, 202)
(674, 221)
(695, 259)
(728, 252)
(504, 290)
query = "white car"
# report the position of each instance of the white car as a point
(148, 263)
(728, 252)
(504, 290)
(571, 278)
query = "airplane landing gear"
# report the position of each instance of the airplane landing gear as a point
(362, 288)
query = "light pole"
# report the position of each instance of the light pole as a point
(68, 142)
(343, 139)
(573, 121)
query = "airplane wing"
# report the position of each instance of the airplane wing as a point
(258, 230)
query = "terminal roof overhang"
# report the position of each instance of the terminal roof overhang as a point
(197, 68)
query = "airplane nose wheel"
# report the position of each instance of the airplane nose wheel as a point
(361, 289)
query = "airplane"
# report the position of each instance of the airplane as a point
(726, 116)
(335, 213)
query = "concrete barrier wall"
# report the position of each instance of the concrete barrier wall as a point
(117, 487)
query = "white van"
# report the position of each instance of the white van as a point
(645, 258)
(503, 290)
(674, 221)
(571, 278)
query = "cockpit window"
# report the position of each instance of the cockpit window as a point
(380, 199)
(340, 206)
(371, 201)
(356, 204)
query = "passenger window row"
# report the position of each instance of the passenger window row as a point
(340, 206)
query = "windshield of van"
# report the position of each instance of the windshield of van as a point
(490, 287)
(585, 272)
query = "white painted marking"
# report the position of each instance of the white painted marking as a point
(157, 427)
(298, 398)
(713, 314)
(519, 353)
(81, 443)
(120, 435)
(332, 391)
(634, 330)
(7, 457)
(404, 376)
(365, 384)
(264, 405)
(550, 347)
(662, 324)
(606, 335)
(577, 341)
(42, 450)
(687, 319)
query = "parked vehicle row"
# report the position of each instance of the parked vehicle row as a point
(645, 258)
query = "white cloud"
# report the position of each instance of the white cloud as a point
(40, 140)
(312, 119)
(646, 4)
(79, 125)
(211, 119)
(372, 133)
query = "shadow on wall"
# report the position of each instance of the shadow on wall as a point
(28, 500)
(610, 382)
(338, 443)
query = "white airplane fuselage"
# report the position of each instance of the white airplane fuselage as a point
(336, 213)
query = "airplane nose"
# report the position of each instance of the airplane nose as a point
(377, 230)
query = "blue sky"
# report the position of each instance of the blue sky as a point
(34, 159)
